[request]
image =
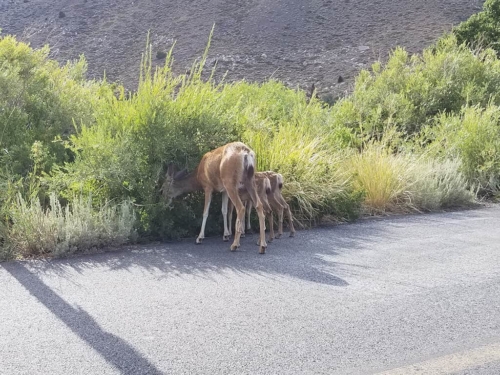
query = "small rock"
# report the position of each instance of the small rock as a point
(62, 14)
(363, 48)
(340, 80)
(161, 55)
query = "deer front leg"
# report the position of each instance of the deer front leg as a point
(262, 225)
(270, 219)
(280, 222)
(208, 199)
(225, 200)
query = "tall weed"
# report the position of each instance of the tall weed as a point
(315, 182)
(405, 182)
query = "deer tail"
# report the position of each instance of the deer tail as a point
(249, 165)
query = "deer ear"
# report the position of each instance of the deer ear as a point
(181, 174)
(171, 169)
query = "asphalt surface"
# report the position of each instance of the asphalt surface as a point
(401, 295)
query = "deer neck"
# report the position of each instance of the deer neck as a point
(187, 184)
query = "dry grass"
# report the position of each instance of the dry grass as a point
(59, 230)
(407, 182)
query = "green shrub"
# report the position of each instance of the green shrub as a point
(472, 136)
(64, 138)
(39, 101)
(178, 119)
(408, 91)
(121, 156)
(482, 29)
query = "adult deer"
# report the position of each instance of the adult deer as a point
(225, 169)
(274, 200)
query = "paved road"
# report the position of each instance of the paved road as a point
(403, 295)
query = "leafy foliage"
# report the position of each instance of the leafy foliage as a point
(39, 101)
(409, 91)
(472, 136)
(418, 133)
(482, 29)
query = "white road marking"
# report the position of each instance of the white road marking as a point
(450, 363)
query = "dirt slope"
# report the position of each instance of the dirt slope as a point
(299, 42)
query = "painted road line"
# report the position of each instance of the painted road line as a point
(450, 363)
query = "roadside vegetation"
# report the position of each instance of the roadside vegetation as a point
(81, 161)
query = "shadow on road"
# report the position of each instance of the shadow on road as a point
(311, 256)
(113, 349)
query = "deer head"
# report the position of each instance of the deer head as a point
(174, 185)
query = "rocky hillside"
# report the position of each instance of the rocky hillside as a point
(299, 42)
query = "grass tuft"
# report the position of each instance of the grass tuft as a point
(58, 230)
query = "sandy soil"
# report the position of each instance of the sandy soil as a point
(298, 42)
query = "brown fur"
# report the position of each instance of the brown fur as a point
(225, 170)
(274, 202)
(263, 190)
(278, 203)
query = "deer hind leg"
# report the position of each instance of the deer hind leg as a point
(286, 207)
(278, 207)
(271, 225)
(225, 200)
(280, 222)
(230, 209)
(268, 213)
(248, 210)
(251, 188)
(208, 199)
(290, 220)
(240, 218)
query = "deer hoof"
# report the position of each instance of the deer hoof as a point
(234, 247)
(292, 234)
(278, 236)
(270, 239)
(199, 241)
(242, 235)
(262, 250)
(225, 238)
